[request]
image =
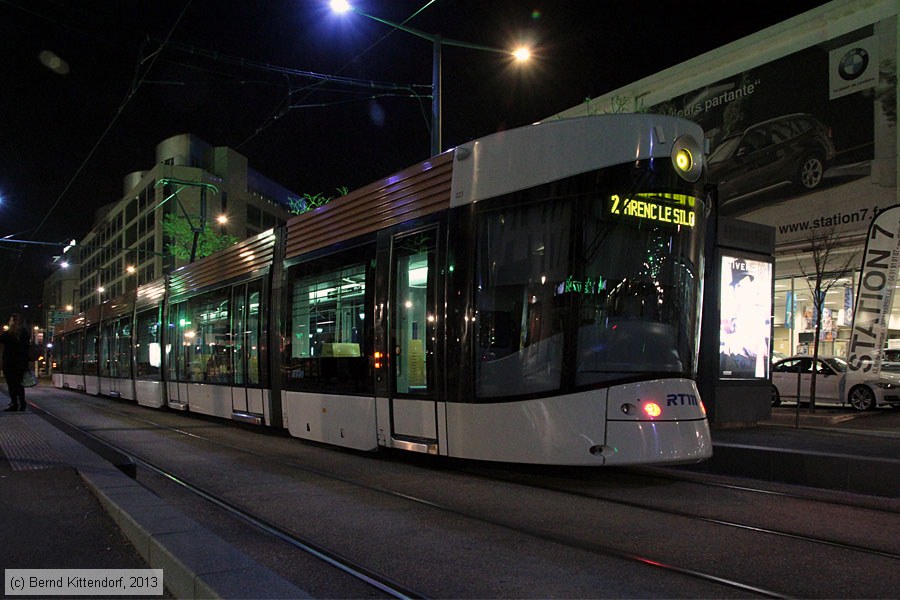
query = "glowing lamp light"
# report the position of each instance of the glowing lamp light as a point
(684, 160)
(652, 409)
(687, 158)
(521, 54)
(340, 6)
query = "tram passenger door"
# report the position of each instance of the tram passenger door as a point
(246, 329)
(175, 366)
(414, 414)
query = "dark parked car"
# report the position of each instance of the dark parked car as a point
(789, 150)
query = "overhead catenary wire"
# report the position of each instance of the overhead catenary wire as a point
(144, 66)
(132, 90)
(321, 78)
(136, 82)
(280, 109)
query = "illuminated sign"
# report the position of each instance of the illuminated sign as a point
(745, 309)
(590, 286)
(676, 209)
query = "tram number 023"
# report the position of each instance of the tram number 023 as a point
(656, 208)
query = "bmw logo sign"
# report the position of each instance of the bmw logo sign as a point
(853, 64)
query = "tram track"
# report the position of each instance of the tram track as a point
(648, 473)
(554, 536)
(699, 517)
(345, 565)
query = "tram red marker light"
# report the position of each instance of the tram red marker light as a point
(652, 409)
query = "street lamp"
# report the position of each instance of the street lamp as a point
(520, 54)
(100, 289)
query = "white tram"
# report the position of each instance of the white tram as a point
(532, 296)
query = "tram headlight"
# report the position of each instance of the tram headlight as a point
(683, 160)
(687, 158)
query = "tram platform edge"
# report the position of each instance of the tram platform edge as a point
(196, 563)
(830, 449)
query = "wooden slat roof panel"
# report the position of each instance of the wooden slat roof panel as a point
(245, 257)
(416, 192)
(119, 307)
(70, 324)
(150, 294)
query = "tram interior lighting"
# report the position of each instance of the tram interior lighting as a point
(418, 276)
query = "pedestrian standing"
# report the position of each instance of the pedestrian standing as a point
(15, 340)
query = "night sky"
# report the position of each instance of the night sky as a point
(89, 88)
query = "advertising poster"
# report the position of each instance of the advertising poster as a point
(745, 318)
(794, 142)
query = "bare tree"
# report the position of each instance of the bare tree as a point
(829, 266)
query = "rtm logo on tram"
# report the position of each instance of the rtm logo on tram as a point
(681, 399)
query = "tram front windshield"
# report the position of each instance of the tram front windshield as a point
(582, 285)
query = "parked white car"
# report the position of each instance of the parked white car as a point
(831, 383)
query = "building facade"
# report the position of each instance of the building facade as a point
(211, 186)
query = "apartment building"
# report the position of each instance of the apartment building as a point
(126, 247)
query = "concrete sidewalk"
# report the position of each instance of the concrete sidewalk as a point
(834, 449)
(64, 506)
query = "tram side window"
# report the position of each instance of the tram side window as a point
(205, 341)
(107, 340)
(73, 360)
(522, 260)
(148, 357)
(327, 351)
(92, 338)
(59, 358)
(123, 348)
